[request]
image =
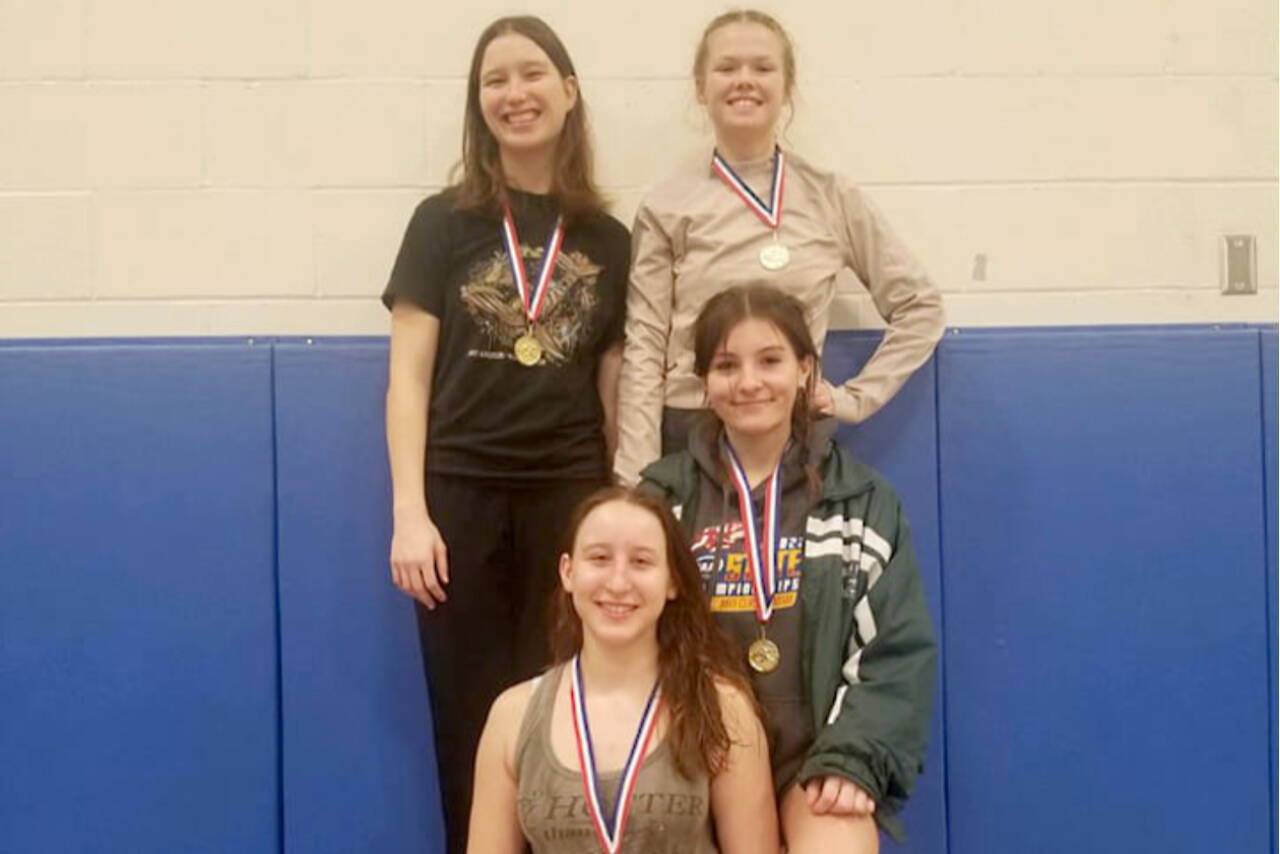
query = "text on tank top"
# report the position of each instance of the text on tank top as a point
(669, 814)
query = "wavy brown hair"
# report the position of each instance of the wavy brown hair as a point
(479, 184)
(693, 654)
(724, 311)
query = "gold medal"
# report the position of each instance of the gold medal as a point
(763, 655)
(527, 349)
(775, 256)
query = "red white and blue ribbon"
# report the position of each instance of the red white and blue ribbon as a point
(770, 214)
(763, 543)
(531, 295)
(609, 829)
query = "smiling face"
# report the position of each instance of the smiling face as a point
(754, 378)
(617, 574)
(743, 80)
(523, 97)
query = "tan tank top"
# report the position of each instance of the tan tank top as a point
(669, 814)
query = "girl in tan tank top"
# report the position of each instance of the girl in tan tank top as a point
(643, 739)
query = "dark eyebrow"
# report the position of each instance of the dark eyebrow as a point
(521, 66)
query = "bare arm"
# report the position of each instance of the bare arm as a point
(607, 383)
(419, 561)
(742, 799)
(495, 824)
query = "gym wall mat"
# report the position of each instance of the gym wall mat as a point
(901, 443)
(1102, 536)
(359, 762)
(137, 599)
(201, 650)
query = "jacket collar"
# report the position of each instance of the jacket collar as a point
(842, 476)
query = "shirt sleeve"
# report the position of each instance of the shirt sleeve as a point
(904, 296)
(648, 327)
(422, 264)
(877, 729)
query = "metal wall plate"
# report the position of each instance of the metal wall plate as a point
(1239, 255)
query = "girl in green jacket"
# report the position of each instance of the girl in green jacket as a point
(807, 560)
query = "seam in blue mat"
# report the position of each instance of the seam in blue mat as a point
(942, 600)
(275, 579)
(1268, 536)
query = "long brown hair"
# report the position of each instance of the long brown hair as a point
(692, 652)
(478, 179)
(724, 311)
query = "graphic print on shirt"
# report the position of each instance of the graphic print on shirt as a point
(731, 575)
(493, 302)
(657, 818)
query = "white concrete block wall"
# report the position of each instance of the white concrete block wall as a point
(246, 167)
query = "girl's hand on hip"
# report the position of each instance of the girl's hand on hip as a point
(824, 403)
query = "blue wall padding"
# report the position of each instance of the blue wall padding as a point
(901, 443)
(1101, 543)
(1272, 460)
(137, 605)
(359, 766)
(1101, 504)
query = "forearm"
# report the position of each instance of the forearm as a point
(642, 381)
(640, 391)
(406, 415)
(876, 731)
(905, 297)
(914, 327)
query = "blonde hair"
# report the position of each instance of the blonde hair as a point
(748, 16)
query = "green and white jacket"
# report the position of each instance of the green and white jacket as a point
(869, 654)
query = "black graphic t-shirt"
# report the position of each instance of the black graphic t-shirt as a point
(491, 416)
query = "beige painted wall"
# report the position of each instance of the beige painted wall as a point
(247, 166)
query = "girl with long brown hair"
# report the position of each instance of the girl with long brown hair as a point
(807, 559)
(506, 325)
(643, 737)
(752, 211)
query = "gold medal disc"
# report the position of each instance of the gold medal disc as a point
(775, 256)
(763, 655)
(528, 351)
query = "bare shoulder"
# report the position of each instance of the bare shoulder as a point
(510, 705)
(738, 709)
(506, 715)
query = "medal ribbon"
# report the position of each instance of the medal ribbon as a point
(762, 547)
(770, 214)
(609, 829)
(531, 296)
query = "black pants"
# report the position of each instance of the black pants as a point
(503, 545)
